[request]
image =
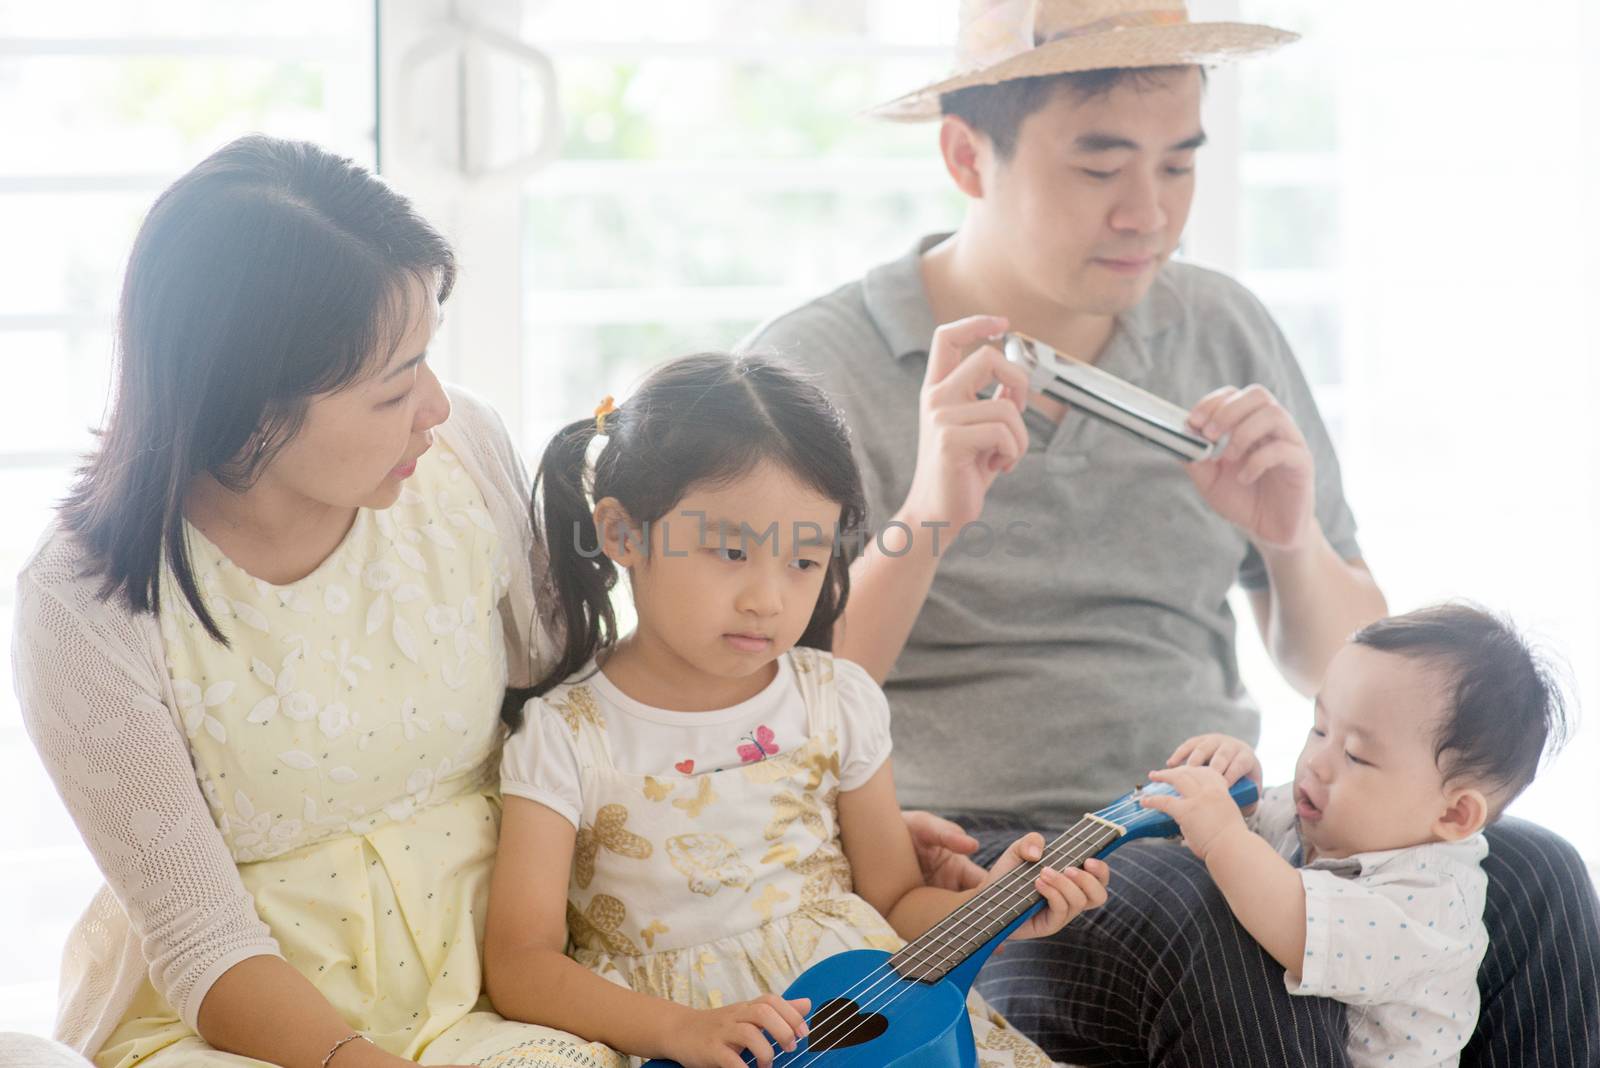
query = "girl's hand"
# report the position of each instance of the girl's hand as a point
(1228, 756)
(718, 1038)
(1066, 893)
(1202, 809)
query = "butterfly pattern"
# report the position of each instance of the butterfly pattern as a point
(697, 804)
(788, 808)
(601, 923)
(656, 927)
(710, 861)
(577, 708)
(608, 832)
(758, 745)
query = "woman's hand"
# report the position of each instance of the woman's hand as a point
(1066, 893)
(944, 852)
(718, 1038)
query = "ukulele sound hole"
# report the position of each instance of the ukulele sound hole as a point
(844, 1024)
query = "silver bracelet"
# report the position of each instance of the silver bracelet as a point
(337, 1046)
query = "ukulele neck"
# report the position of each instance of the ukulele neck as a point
(969, 928)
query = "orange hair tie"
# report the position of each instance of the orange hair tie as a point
(606, 407)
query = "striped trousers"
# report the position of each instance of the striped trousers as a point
(1163, 975)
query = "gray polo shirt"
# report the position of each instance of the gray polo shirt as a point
(1047, 674)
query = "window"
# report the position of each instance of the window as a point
(106, 103)
(1432, 277)
(716, 171)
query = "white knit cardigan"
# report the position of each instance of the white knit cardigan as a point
(95, 694)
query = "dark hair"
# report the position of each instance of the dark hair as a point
(694, 421)
(271, 272)
(1506, 708)
(997, 111)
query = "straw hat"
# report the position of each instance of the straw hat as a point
(1000, 40)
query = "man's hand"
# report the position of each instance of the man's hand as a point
(1264, 481)
(944, 852)
(963, 442)
(1066, 893)
(1203, 809)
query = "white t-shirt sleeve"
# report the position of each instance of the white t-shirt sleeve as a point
(864, 741)
(540, 762)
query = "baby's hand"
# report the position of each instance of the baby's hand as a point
(1066, 893)
(1233, 758)
(718, 1038)
(1203, 809)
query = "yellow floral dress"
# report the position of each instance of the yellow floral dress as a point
(347, 745)
(719, 887)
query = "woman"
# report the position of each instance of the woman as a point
(263, 647)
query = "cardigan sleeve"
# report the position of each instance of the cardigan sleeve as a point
(93, 703)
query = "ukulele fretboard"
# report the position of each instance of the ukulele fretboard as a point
(966, 930)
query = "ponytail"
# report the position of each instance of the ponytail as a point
(697, 420)
(581, 576)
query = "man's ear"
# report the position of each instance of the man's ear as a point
(1464, 816)
(619, 538)
(967, 155)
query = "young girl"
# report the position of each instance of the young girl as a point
(705, 808)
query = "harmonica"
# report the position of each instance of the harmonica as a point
(1109, 398)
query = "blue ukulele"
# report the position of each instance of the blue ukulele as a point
(874, 1009)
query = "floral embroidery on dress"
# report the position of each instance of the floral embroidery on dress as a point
(280, 723)
(195, 707)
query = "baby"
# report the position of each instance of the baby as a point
(1363, 877)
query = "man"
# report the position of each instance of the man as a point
(1078, 629)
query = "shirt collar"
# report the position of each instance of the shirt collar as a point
(1467, 851)
(897, 301)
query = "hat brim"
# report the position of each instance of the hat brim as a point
(1193, 43)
